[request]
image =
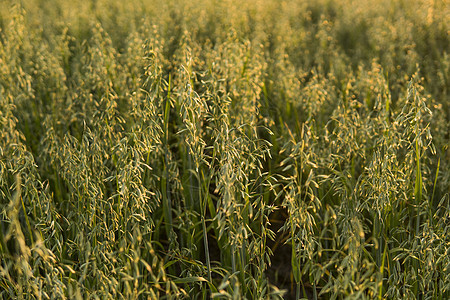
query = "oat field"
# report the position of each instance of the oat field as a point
(205, 149)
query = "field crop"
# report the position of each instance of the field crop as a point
(199, 149)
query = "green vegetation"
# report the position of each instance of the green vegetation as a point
(224, 149)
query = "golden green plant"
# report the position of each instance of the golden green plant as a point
(224, 149)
